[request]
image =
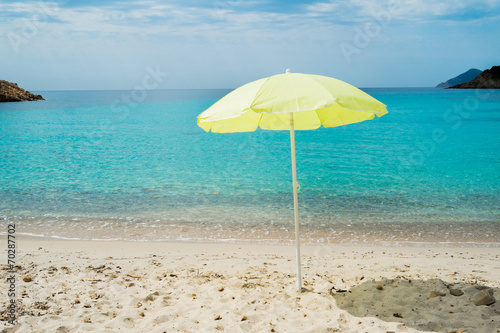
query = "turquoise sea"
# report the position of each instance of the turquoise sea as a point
(135, 166)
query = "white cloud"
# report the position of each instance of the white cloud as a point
(421, 10)
(155, 17)
(322, 7)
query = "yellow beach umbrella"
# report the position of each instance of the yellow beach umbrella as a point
(290, 101)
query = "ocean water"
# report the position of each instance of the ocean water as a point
(123, 165)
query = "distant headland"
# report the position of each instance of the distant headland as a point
(470, 75)
(10, 92)
(489, 79)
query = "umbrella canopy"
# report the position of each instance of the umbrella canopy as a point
(314, 100)
(290, 101)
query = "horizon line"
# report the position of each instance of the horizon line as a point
(68, 90)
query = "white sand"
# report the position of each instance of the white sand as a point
(80, 286)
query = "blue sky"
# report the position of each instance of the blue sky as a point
(110, 44)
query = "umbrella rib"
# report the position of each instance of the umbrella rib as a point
(294, 93)
(342, 122)
(207, 120)
(257, 94)
(336, 101)
(323, 88)
(275, 101)
(260, 118)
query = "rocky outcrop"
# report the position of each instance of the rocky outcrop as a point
(489, 79)
(470, 75)
(10, 92)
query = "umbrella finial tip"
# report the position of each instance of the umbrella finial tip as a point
(288, 70)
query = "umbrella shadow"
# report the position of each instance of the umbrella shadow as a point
(430, 305)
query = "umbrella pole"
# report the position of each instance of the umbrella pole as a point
(295, 201)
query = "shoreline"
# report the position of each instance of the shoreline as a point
(144, 246)
(270, 242)
(424, 234)
(78, 286)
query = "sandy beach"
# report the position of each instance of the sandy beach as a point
(92, 286)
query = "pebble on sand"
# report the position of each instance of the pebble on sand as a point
(436, 293)
(484, 297)
(456, 292)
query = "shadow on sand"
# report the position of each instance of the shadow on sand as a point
(431, 305)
